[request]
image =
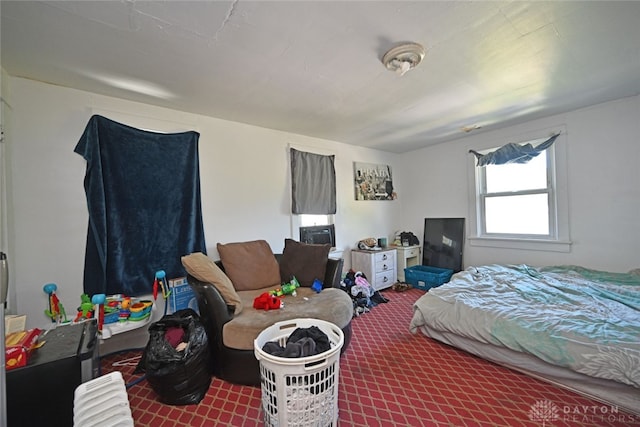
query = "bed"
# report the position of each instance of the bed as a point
(576, 327)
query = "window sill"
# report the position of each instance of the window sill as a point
(525, 244)
(336, 253)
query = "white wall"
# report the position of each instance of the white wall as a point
(603, 165)
(244, 184)
(5, 167)
(245, 177)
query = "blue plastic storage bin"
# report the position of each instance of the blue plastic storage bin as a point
(425, 277)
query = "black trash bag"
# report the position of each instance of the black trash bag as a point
(177, 377)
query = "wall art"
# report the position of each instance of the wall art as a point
(373, 181)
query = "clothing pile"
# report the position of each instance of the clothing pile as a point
(302, 342)
(362, 294)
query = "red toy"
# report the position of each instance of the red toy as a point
(267, 302)
(56, 310)
(160, 281)
(98, 300)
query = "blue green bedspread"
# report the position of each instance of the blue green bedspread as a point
(582, 319)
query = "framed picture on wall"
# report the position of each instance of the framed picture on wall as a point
(373, 181)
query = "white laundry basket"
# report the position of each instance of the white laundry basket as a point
(303, 391)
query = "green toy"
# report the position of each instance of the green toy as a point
(277, 292)
(290, 288)
(286, 288)
(85, 311)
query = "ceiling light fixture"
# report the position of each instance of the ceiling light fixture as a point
(403, 58)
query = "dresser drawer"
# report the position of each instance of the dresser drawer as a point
(384, 279)
(413, 252)
(386, 265)
(385, 257)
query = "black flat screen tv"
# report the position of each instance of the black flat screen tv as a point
(443, 243)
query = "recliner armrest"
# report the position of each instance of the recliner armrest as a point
(333, 273)
(214, 311)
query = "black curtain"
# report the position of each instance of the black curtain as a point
(143, 197)
(313, 183)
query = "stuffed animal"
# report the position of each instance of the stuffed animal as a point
(267, 302)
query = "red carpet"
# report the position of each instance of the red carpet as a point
(389, 377)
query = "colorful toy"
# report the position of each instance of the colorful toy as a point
(277, 292)
(160, 281)
(126, 303)
(290, 288)
(295, 282)
(98, 300)
(121, 308)
(265, 301)
(140, 310)
(286, 288)
(111, 315)
(317, 286)
(56, 309)
(85, 311)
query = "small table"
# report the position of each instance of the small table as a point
(42, 392)
(408, 256)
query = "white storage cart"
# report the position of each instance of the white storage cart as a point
(299, 392)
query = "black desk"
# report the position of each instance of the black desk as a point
(41, 393)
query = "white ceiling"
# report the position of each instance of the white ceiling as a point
(314, 67)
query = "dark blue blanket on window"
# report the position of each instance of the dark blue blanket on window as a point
(513, 153)
(143, 196)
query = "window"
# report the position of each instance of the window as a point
(522, 205)
(313, 196)
(318, 229)
(307, 220)
(518, 199)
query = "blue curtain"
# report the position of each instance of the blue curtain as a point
(513, 153)
(143, 197)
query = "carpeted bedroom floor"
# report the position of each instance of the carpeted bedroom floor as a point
(389, 377)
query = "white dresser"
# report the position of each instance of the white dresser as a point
(408, 256)
(379, 266)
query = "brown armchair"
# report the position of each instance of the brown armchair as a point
(233, 358)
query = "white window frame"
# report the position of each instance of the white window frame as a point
(558, 238)
(549, 190)
(307, 220)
